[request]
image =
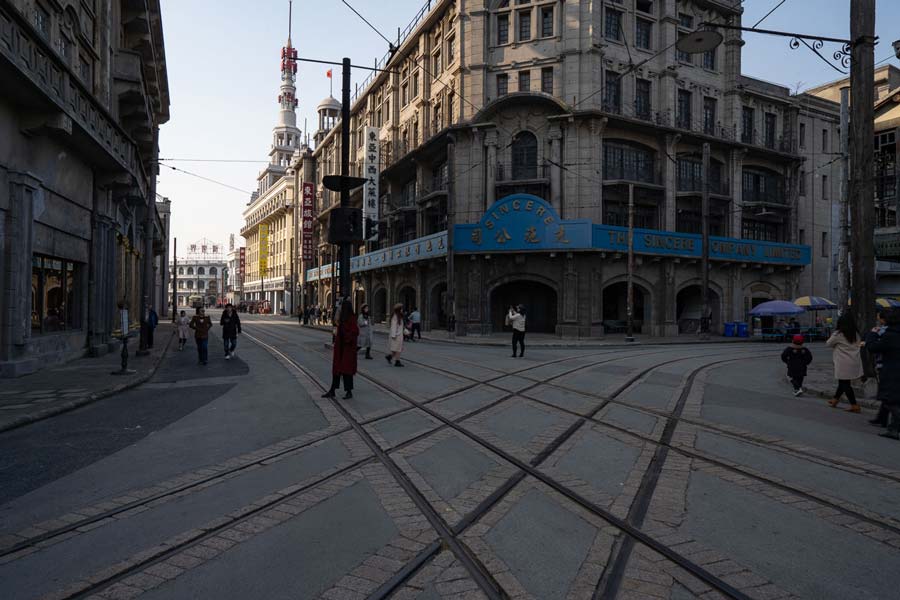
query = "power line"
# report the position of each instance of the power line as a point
(366, 21)
(766, 16)
(205, 178)
(212, 160)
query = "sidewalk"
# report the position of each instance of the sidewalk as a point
(63, 387)
(820, 381)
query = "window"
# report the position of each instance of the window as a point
(826, 250)
(502, 84)
(683, 117)
(763, 231)
(824, 187)
(709, 116)
(190, 271)
(404, 94)
(190, 284)
(747, 118)
(436, 64)
(803, 135)
(86, 69)
(686, 21)
(689, 171)
(213, 271)
(524, 81)
(201, 284)
(547, 21)
(824, 140)
(612, 94)
(55, 290)
(502, 29)
(628, 162)
(762, 186)
(547, 80)
(42, 20)
(415, 85)
(524, 17)
(613, 24)
(181, 270)
(524, 156)
(769, 130)
(65, 48)
(709, 60)
(802, 182)
(451, 49)
(645, 6)
(201, 271)
(642, 103)
(643, 33)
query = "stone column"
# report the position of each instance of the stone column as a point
(670, 316)
(555, 137)
(490, 192)
(737, 202)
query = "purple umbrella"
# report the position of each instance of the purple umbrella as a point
(776, 308)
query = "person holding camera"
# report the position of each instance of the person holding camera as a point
(516, 318)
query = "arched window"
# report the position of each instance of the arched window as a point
(524, 156)
(200, 285)
(190, 285)
(201, 271)
(213, 271)
(190, 271)
(181, 270)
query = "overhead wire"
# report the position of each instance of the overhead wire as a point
(205, 178)
(766, 16)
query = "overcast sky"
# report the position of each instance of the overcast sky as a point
(223, 64)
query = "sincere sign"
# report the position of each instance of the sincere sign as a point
(371, 166)
(308, 220)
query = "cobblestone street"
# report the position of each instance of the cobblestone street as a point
(643, 471)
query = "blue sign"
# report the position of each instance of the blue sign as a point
(423, 248)
(522, 223)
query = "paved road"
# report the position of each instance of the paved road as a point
(677, 472)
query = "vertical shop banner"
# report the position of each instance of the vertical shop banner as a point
(263, 249)
(243, 263)
(371, 166)
(308, 219)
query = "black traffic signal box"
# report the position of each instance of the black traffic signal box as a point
(345, 225)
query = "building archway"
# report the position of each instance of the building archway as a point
(438, 309)
(540, 302)
(407, 297)
(689, 309)
(378, 309)
(615, 308)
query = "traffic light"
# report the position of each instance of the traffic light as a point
(344, 225)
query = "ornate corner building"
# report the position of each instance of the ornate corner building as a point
(84, 93)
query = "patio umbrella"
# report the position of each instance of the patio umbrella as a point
(882, 303)
(776, 308)
(815, 303)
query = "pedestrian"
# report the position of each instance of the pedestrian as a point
(231, 327)
(887, 344)
(343, 356)
(395, 337)
(201, 324)
(415, 317)
(797, 357)
(365, 330)
(152, 322)
(182, 330)
(883, 417)
(847, 363)
(516, 318)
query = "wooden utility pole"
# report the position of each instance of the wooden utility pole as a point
(862, 135)
(629, 308)
(844, 240)
(704, 263)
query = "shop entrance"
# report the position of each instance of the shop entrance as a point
(407, 298)
(438, 307)
(539, 300)
(689, 309)
(378, 310)
(615, 308)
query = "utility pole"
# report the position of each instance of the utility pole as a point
(704, 263)
(175, 280)
(844, 230)
(862, 105)
(345, 172)
(629, 335)
(451, 220)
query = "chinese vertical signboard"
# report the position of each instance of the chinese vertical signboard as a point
(243, 263)
(308, 217)
(263, 249)
(370, 189)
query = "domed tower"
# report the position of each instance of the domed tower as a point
(329, 111)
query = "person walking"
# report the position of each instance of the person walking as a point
(152, 322)
(516, 318)
(887, 344)
(183, 322)
(395, 336)
(201, 324)
(231, 327)
(365, 330)
(415, 318)
(343, 356)
(847, 363)
(797, 357)
(883, 417)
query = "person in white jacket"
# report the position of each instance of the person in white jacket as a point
(847, 363)
(516, 318)
(395, 336)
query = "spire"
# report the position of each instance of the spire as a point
(290, 17)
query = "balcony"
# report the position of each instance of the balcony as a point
(512, 173)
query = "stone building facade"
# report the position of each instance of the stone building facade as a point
(199, 278)
(576, 110)
(84, 93)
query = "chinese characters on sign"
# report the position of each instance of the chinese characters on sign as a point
(308, 218)
(263, 249)
(371, 165)
(243, 263)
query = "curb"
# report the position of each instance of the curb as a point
(73, 404)
(860, 399)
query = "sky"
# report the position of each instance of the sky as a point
(224, 75)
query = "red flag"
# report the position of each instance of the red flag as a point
(328, 74)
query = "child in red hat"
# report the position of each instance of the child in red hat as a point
(797, 357)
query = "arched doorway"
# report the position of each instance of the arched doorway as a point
(689, 309)
(539, 300)
(438, 309)
(615, 308)
(378, 309)
(359, 300)
(407, 297)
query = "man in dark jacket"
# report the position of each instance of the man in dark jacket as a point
(152, 322)
(231, 327)
(797, 357)
(888, 346)
(201, 324)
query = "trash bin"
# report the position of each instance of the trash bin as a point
(729, 329)
(742, 330)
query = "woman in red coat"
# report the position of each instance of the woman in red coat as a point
(343, 361)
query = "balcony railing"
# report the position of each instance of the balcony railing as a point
(507, 172)
(777, 196)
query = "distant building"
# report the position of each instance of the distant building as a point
(201, 275)
(85, 91)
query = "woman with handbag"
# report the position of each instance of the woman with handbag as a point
(847, 362)
(395, 336)
(343, 357)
